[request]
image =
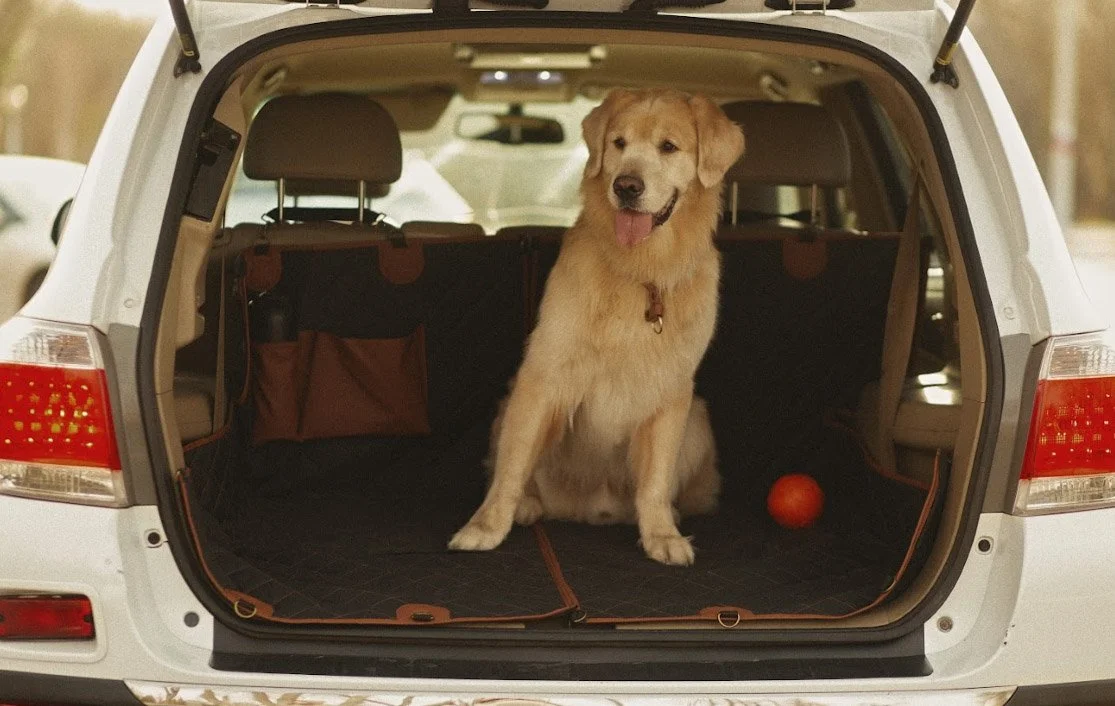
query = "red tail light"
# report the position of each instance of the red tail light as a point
(45, 617)
(1070, 453)
(57, 440)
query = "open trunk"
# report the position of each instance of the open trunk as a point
(341, 436)
(359, 443)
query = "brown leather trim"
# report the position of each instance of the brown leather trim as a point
(422, 614)
(554, 566)
(401, 264)
(804, 259)
(207, 439)
(184, 499)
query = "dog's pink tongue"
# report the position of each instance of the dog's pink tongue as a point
(632, 226)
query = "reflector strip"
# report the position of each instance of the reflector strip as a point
(45, 618)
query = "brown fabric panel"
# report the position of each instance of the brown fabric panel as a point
(401, 264)
(279, 373)
(365, 386)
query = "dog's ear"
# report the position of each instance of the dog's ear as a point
(719, 140)
(595, 128)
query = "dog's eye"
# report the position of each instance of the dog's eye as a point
(619, 142)
(668, 147)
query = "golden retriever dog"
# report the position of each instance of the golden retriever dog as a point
(601, 424)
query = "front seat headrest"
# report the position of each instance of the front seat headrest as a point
(791, 144)
(324, 136)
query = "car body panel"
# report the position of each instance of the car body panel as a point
(1043, 573)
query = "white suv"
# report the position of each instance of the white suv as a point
(233, 445)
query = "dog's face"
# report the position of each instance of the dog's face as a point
(649, 149)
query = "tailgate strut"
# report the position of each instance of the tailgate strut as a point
(188, 58)
(942, 65)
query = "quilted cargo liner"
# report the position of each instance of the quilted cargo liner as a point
(309, 533)
(353, 529)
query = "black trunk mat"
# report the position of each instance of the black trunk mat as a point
(368, 541)
(744, 559)
(372, 538)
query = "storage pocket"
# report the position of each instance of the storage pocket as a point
(359, 386)
(278, 375)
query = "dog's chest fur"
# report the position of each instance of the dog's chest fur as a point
(613, 369)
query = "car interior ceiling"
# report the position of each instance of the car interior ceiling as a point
(799, 409)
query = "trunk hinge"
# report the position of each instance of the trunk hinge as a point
(942, 65)
(189, 59)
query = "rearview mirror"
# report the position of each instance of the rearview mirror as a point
(510, 129)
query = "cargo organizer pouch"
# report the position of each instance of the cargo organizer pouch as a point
(338, 341)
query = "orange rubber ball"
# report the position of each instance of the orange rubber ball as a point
(795, 501)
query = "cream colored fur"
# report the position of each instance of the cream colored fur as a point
(602, 424)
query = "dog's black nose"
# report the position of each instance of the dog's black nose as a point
(627, 188)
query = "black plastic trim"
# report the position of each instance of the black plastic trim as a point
(34, 688)
(903, 657)
(809, 640)
(1083, 693)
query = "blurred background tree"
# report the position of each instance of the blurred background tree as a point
(62, 62)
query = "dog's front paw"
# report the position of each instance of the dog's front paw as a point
(669, 549)
(474, 537)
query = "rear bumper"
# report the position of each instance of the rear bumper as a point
(1041, 615)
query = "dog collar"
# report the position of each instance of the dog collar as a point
(656, 308)
(664, 215)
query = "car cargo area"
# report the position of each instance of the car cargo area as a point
(336, 407)
(304, 515)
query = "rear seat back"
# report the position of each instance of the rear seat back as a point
(788, 144)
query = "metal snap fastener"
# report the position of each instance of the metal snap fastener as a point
(728, 618)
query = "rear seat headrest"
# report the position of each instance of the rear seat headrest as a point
(333, 187)
(324, 136)
(791, 144)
